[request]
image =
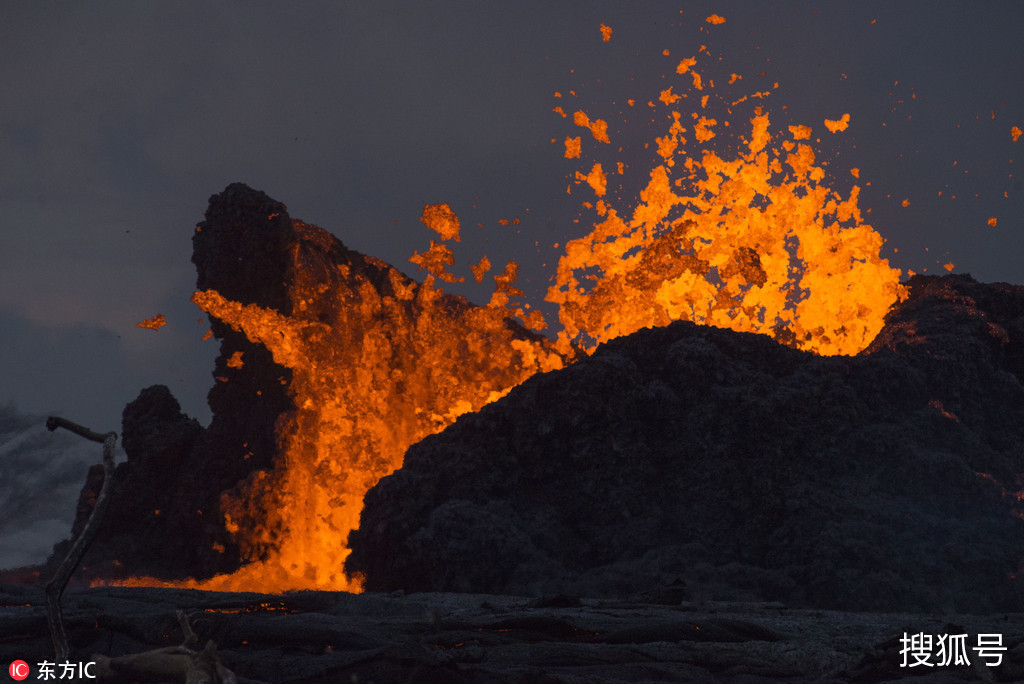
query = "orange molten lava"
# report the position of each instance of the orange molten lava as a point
(378, 362)
(754, 241)
(154, 323)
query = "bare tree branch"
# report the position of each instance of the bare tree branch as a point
(172, 663)
(54, 422)
(55, 587)
(186, 629)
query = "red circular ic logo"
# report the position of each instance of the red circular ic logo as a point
(19, 670)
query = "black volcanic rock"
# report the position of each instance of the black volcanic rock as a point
(164, 518)
(244, 251)
(748, 470)
(303, 637)
(160, 493)
(242, 248)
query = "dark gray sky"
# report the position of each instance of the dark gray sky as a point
(119, 119)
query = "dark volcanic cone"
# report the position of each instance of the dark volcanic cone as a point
(886, 481)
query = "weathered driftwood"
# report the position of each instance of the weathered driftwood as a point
(55, 587)
(170, 664)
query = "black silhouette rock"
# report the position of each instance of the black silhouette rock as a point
(748, 470)
(165, 517)
(161, 494)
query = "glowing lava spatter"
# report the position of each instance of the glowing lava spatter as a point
(378, 362)
(396, 363)
(754, 242)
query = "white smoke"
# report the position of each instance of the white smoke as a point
(41, 475)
